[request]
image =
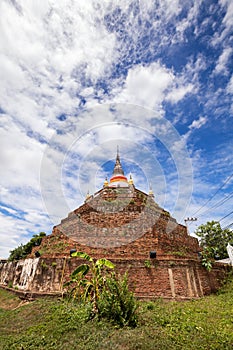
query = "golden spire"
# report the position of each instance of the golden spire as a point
(88, 195)
(151, 193)
(130, 179)
(105, 182)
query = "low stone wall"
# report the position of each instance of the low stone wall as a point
(171, 279)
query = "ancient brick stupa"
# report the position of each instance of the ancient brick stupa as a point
(121, 221)
(127, 226)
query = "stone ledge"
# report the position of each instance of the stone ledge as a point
(31, 295)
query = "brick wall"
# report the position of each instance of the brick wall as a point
(164, 278)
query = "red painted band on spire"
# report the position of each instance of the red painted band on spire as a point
(118, 178)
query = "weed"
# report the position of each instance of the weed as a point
(117, 303)
(44, 265)
(147, 263)
(177, 253)
(10, 284)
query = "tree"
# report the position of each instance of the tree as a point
(107, 293)
(213, 240)
(89, 289)
(22, 251)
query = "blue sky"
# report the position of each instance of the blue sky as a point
(79, 78)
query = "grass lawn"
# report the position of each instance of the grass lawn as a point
(204, 324)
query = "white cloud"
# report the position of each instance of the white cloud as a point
(230, 86)
(227, 20)
(197, 124)
(188, 20)
(221, 66)
(178, 94)
(20, 155)
(146, 85)
(150, 85)
(224, 30)
(46, 53)
(187, 82)
(15, 231)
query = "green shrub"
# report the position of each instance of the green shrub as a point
(108, 295)
(206, 259)
(147, 263)
(22, 251)
(117, 303)
(44, 265)
(10, 284)
(88, 290)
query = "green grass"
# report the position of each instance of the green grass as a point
(205, 324)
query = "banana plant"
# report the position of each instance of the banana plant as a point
(88, 279)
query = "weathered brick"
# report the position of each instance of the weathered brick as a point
(123, 225)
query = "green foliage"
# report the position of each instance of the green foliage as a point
(10, 284)
(44, 265)
(213, 240)
(88, 289)
(53, 324)
(108, 295)
(23, 251)
(206, 259)
(147, 263)
(54, 244)
(117, 303)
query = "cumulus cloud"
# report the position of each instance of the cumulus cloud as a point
(150, 85)
(198, 123)
(145, 86)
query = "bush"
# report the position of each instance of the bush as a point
(108, 295)
(117, 303)
(22, 251)
(10, 284)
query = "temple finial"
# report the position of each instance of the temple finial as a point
(106, 182)
(118, 168)
(118, 153)
(130, 179)
(88, 195)
(118, 179)
(151, 193)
